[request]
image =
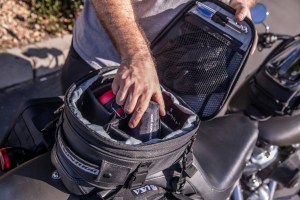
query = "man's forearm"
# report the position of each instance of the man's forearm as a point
(117, 17)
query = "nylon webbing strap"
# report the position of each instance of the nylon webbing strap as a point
(187, 163)
(190, 168)
(139, 176)
(50, 130)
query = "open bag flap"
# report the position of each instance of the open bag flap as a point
(201, 53)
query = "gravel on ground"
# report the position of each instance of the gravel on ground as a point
(15, 29)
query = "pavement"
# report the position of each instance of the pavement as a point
(29, 72)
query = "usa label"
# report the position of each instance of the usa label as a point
(144, 189)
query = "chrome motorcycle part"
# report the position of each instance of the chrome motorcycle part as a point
(272, 189)
(262, 193)
(261, 158)
(296, 146)
(237, 192)
(55, 175)
(254, 182)
(266, 40)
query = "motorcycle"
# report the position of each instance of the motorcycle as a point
(272, 172)
(257, 158)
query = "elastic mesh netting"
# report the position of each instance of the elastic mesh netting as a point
(198, 64)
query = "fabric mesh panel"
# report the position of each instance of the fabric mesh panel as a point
(198, 64)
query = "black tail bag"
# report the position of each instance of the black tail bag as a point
(94, 152)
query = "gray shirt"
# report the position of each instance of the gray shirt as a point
(93, 44)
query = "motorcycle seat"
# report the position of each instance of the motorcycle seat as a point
(222, 147)
(32, 180)
(281, 131)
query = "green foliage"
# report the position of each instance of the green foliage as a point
(54, 16)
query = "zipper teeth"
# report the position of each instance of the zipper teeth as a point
(122, 157)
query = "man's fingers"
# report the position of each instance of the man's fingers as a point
(139, 111)
(241, 12)
(122, 92)
(131, 100)
(254, 43)
(158, 98)
(115, 86)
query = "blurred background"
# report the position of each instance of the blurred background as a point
(28, 21)
(35, 36)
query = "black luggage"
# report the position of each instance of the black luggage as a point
(91, 157)
(29, 128)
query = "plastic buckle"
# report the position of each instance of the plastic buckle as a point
(139, 177)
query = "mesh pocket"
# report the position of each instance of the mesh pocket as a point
(198, 63)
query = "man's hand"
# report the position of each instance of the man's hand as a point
(136, 81)
(135, 84)
(242, 8)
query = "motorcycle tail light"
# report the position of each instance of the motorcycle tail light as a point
(4, 159)
(11, 157)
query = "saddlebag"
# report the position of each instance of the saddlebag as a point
(93, 155)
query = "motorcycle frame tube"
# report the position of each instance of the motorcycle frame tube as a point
(272, 188)
(237, 192)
